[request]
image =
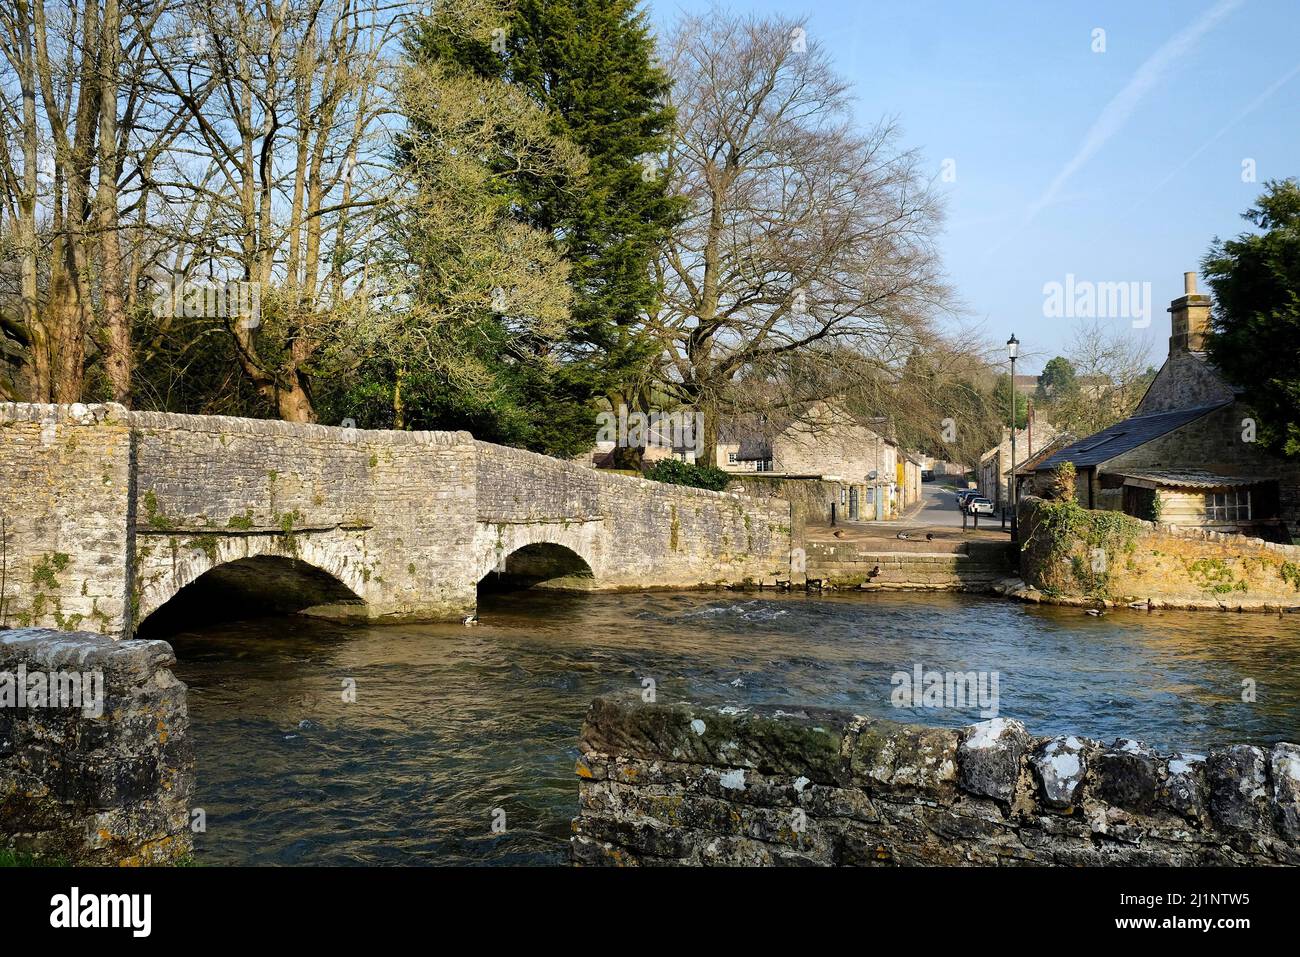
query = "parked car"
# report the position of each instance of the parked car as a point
(979, 505)
(963, 494)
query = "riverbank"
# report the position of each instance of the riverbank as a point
(1018, 589)
(1073, 555)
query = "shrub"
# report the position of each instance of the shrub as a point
(677, 472)
(1062, 488)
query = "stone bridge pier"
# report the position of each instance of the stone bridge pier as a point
(110, 517)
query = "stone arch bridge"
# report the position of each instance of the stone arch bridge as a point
(107, 515)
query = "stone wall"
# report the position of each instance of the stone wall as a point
(95, 788)
(687, 784)
(810, 499)
(1120, 559)
(65, 504)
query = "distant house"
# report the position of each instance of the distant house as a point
(602, 455)
(1026, 471)
(1187, 455)
(940, 469)
(909, 477)
(826, 443)
(993, 474)
(1026, 384)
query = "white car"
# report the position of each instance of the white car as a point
(979, 505)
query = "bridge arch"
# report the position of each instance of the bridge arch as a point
(531, 553)
(258, 573)
(541, 563)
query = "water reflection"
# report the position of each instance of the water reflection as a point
(451, 722)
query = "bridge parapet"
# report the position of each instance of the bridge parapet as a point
(108, 513)
(389, 514)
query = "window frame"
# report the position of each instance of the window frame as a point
(1228, 505)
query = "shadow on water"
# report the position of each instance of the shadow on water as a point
(260, 586)
(450, 724)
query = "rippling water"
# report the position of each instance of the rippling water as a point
(451, 722)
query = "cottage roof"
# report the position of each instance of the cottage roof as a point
(1188, 478)
(1051, 448)
(754, 433)
(1124, 437)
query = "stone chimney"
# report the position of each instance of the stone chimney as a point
(1190, 314)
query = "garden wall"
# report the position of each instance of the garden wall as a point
(1069, 552)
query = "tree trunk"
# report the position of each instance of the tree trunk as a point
(40, 373)
(116, 323)
(399, 410)
(294, 402)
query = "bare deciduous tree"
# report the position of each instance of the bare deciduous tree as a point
(283, 145)
(1113, 369)
(804, 234)
(73, 86)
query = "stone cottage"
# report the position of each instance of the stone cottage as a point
(1025, 468)
(828, 444)
(1187, 456)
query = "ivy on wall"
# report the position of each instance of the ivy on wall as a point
(1088, 541)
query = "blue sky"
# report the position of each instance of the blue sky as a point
(1114, 166)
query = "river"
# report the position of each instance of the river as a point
(455, 728)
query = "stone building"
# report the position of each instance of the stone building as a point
(1026, 468)
(1187, 456)
(993, 474)
(909, 477)
(827, 444)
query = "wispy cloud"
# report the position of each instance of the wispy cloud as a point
(1251, 107)
(1123, 104)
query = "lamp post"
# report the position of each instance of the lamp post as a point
(1013, 350)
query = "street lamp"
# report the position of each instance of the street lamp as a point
(1013, 350)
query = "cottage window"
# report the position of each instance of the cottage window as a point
(763, 465)
(1230, 506)
(731, 458)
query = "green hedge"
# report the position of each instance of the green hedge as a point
(677, 472)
